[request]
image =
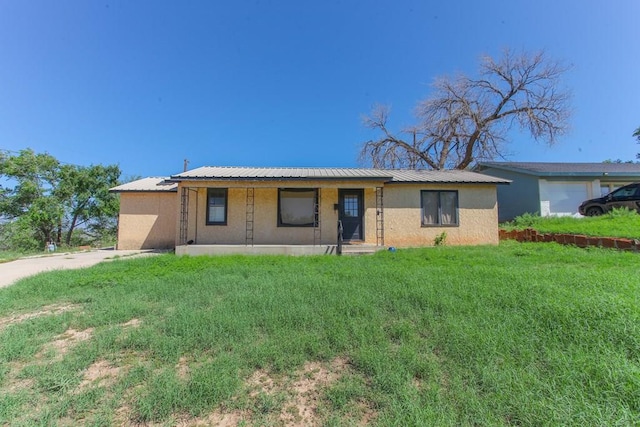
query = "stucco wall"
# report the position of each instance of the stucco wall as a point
(147, 220)
(477, 210)
(265, 226)
(266, 229)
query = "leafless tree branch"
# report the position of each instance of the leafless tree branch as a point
(467, 120)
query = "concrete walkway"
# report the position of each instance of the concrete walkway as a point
(12, 271)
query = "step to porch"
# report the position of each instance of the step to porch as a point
(354, 250)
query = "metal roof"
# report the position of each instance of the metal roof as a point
(150, 184)
(565, 169)
(444, 176)
(386, 175)
(260, 173)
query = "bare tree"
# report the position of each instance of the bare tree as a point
(467, 120)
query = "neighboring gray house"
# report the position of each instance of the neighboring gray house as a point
(554, 188)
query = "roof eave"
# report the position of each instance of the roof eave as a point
(260, 179)
(502, 182)
(484, 167)
(175, 190)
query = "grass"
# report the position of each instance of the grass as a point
(617, 223)
(520, 334)
(10, 255)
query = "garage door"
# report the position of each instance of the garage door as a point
(562, 198)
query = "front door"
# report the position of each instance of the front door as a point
(350, 204)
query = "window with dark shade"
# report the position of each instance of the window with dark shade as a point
(439, 207)
(297, 207)
(216, 206)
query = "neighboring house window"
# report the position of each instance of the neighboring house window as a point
(296, 207)
(439, 207)
(216, 206)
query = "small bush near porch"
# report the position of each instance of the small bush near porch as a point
(533, 334)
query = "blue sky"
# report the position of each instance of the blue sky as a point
(146, 84)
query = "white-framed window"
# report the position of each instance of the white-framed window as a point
(297, 207)
(439, 208)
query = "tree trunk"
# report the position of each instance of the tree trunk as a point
(71, 227)
(59, 234)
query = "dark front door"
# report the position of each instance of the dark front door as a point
(350, 213)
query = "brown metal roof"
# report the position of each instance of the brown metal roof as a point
(150, 184)
(386, 175)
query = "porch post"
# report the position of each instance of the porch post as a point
(317, 230)
(184, 215)
(379, 217)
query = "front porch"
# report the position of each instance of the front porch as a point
(301, 218)
(295, 250)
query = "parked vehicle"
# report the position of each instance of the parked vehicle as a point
(624, 197)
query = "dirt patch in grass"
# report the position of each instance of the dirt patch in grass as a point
(100, 373)
(182, 368)
(295, 399)
(47, 310)
(260, 381)
(306, 391)
(133, 323)
(64, 342)
(230, 419)
(13, 383)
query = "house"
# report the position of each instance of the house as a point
(296, 210)
(555, 188)
(148, 214)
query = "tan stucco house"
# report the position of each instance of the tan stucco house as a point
(297, 210)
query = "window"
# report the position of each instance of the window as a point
(606, 188)
(628, 191)
(216, 206)
(297, 207)
(439, 207)
(351, 205)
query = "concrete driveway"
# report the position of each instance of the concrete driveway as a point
(12, 271)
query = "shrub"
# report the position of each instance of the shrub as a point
(440, 239)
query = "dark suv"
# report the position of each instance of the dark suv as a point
(627, 197)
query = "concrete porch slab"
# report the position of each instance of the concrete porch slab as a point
(194, 250)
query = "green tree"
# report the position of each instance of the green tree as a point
(637, 135)
(84, 192)
(31, 201)
(42, 199)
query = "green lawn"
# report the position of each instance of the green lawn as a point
(520, 334)
(6, 256)
(618, 223)
(11, 255)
